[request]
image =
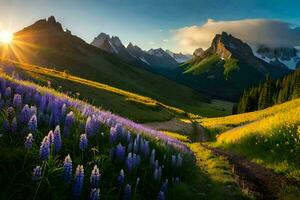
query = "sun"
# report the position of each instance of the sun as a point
(6, 37)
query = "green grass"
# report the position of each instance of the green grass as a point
(128, 104)
(230, 65)
(204, 65)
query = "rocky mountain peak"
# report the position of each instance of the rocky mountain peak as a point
(198, 52)
(50, 25)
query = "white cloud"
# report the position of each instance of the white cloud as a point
(253, 31)
(166, 40)
(151, 43)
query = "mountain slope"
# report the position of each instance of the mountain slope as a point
(228, 67)
(46, 44)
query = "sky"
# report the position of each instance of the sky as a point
(179, 25)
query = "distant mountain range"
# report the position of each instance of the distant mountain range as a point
(284, 56)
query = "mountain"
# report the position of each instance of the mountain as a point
(45, 43)
(153, 60)
(285, 56)
(179, 57)
(228, 67)
(198, 52)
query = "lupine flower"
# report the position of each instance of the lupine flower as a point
(69, 121)
(179, 160)
(129, 162)
(157, 173)
(37, 173)
(67, 169)
(120, 152)
(113, 135)
(25, 115)
(28, 141)
(50, 137)
(146, 149)
(95, 177)
(63, 111)
(7, 93)
(78, 182)
(127, 192)
(5, 125)
(164, 186)
(14, 125)
(17, 101)
(152, 157)
(83, 142)
(173, 160)
(95, 194)
(32, 124)
(56, 140)
(45, 149)
(121, 178)
(10, 113)
(89, 127)
(161, 196)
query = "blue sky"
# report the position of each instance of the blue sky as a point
(145, 22)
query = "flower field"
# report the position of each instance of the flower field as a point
(55, 147)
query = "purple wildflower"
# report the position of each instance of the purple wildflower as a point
(129, 162)
(45, 149)
(95, 194)
(113, 135)
(83, 142)
(152, 157)
(120, 179)
(161, 196)
(120, 152)
(5, 125)
(56, 140)
(95, 177)
(28, 141)
(164, 186)
(17, 101)
(174, 160)
(89, 127)
(50, 137)
(37, 173)
(127, 192)
(69, 121)
(78, 182)
(67, 169)
(14, 125)
(32, 124)
(7, 93)
(179, 160)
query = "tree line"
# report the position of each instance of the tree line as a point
(269, 93)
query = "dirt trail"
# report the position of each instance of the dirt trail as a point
(263, 183)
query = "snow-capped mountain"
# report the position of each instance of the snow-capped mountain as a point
(153, 58)
(179, 57)
(284, 56)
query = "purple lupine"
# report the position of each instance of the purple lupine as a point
(120, 152)
(152, 157)
(129, 162)
(37, 173)
(14, 125)
(146, 149)
(174, 160)
(120, 179)
(161, 196)
(28, 141)
(5, 125)
(63, 111)
(89, 127)
(32, 124)
(164, 186)
(45, 149)
(69, 121)
(7, 93)
(83, 142)
(95, 194)
(95, 177)
(127, 192)
(67, 169)
(78, 182)
(113, 135)
(157, 173)
(10, 113)
(179, 160)
(56, 140)
(50, 137)
(17, 101)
